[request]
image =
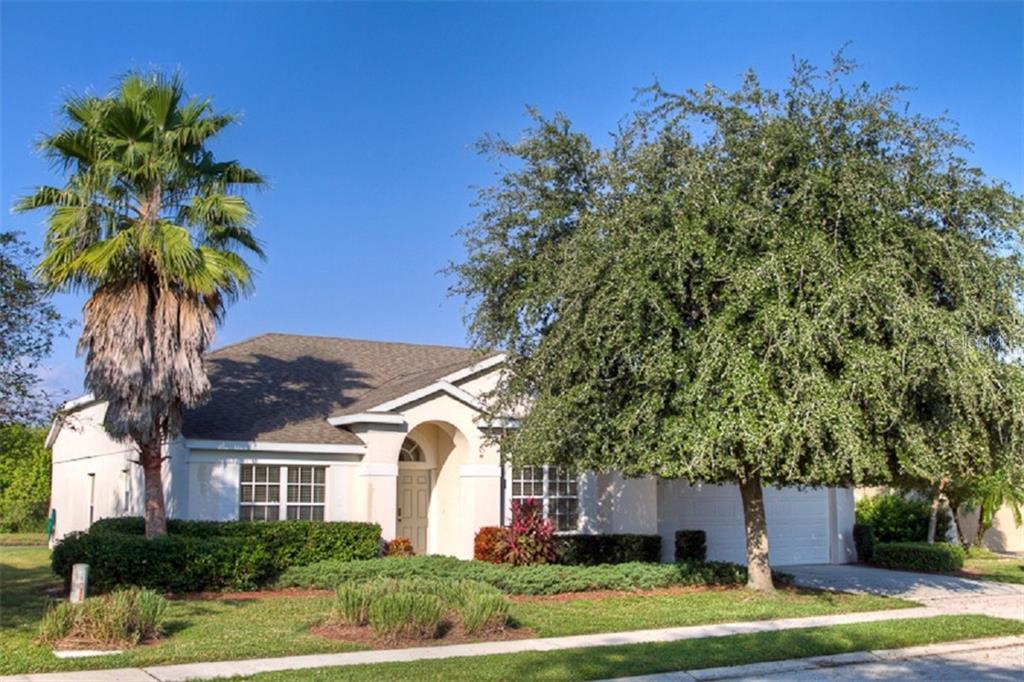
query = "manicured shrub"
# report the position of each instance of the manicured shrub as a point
(538, 579)
(399, 547)
(864, 539)
(919, 556)
(122, 618)
(486, 544)
(591, 550)
(691, 545)
(207, 555)
(289, 543)
(530, 538)
(896, 518)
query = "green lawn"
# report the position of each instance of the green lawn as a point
(642, 612)
(986, 565)
(646, 659)
(22, 539)
(224, 630)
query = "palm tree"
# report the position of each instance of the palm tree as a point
(152, 226)
(1003, 488)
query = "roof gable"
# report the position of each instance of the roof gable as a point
(281, 387)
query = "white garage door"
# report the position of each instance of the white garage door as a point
(798, 521)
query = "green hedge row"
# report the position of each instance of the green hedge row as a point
(691, 545)
(538, 579)
(919, 556)
(208, 555)
(591, 550)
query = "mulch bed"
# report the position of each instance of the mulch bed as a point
(245, 596)
(293, 592)
(453, 635)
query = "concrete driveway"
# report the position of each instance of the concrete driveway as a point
(949, 593)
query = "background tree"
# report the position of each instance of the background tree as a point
(152, 226)
(24, 479)
(987, 494)
(798, 287)
(28, 323)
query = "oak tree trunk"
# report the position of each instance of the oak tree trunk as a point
(152, 465)
(759, 571)
(933, 517)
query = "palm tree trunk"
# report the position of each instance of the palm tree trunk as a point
(152, 466)
(759, 571)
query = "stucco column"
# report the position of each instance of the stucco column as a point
(480, 486)
(380, 492)
(376, 480)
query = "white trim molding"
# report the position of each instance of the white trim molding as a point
(264, 446)
(378, 469)
(481, 366)
(367, 418)
(480, 471)
(437, 387)
(62, 412)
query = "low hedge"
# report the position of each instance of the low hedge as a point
(591, 550)
(691, 545)
(530, 580)
(168, 564)
(208, 555)
(919, 556)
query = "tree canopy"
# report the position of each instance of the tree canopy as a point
(28, 323)
(805, 286)
(24, 479)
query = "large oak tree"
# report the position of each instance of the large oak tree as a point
(805, 287)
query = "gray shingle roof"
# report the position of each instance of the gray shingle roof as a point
(282, 387)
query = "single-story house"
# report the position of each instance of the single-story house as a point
(304, 427)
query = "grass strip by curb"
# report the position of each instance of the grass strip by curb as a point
(645, 659)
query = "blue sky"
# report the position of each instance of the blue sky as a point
(363, 116)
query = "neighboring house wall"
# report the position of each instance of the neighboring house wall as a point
(1004, 535)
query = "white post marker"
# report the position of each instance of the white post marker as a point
(79, 582)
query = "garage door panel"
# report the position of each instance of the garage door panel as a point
(797, 521)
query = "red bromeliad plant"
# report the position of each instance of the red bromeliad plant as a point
(530, 538)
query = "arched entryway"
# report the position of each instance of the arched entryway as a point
(429, 488)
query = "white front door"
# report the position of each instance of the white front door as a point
(413, 502)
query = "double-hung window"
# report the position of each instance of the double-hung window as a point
(261, 497)
(556, 488)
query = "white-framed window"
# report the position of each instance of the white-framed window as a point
(556, 488)
(411, 452)
(261, 497)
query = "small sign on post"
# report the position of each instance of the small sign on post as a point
(79, 582)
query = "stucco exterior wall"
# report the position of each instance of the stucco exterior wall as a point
(88, 465)
(213, 477)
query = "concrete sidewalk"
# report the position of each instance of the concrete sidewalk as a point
(998, 658)
(216, 669)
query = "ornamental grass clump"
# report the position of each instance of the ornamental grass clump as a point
(419, 607)
(120, 618)
(406, 614)
(484, 611)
